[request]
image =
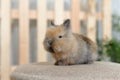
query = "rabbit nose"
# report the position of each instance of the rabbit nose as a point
(50, 42)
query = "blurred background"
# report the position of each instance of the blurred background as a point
(23, 24)
(109, 49)
(108, 52)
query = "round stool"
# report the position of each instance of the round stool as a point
(46, 71)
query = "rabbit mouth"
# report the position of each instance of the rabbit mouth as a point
(51, 49)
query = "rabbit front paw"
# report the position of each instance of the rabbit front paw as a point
(61, 62)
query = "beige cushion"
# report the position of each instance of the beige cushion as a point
(96, 71)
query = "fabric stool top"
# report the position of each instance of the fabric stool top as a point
(46, 71)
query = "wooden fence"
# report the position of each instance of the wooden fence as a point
(41, 14)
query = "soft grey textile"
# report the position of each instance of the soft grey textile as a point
(96, 71)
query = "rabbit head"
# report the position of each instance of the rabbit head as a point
(57, 38)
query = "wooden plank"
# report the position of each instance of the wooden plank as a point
(23, 31)
(5, 39)
(75, 21)
(107, 26)
(50, 15)
(41, 29)
(59, 8)
(91, 20)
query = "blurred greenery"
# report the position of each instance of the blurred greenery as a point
(112, 48)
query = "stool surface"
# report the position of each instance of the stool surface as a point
(46, 71)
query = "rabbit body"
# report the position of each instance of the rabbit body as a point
(68, 48)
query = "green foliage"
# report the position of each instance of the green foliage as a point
(112, 48)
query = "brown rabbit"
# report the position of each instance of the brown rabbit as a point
(69, 48)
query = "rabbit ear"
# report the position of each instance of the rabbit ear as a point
(52, 23)
(67, 23)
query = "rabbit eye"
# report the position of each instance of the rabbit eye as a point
(60, 36)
